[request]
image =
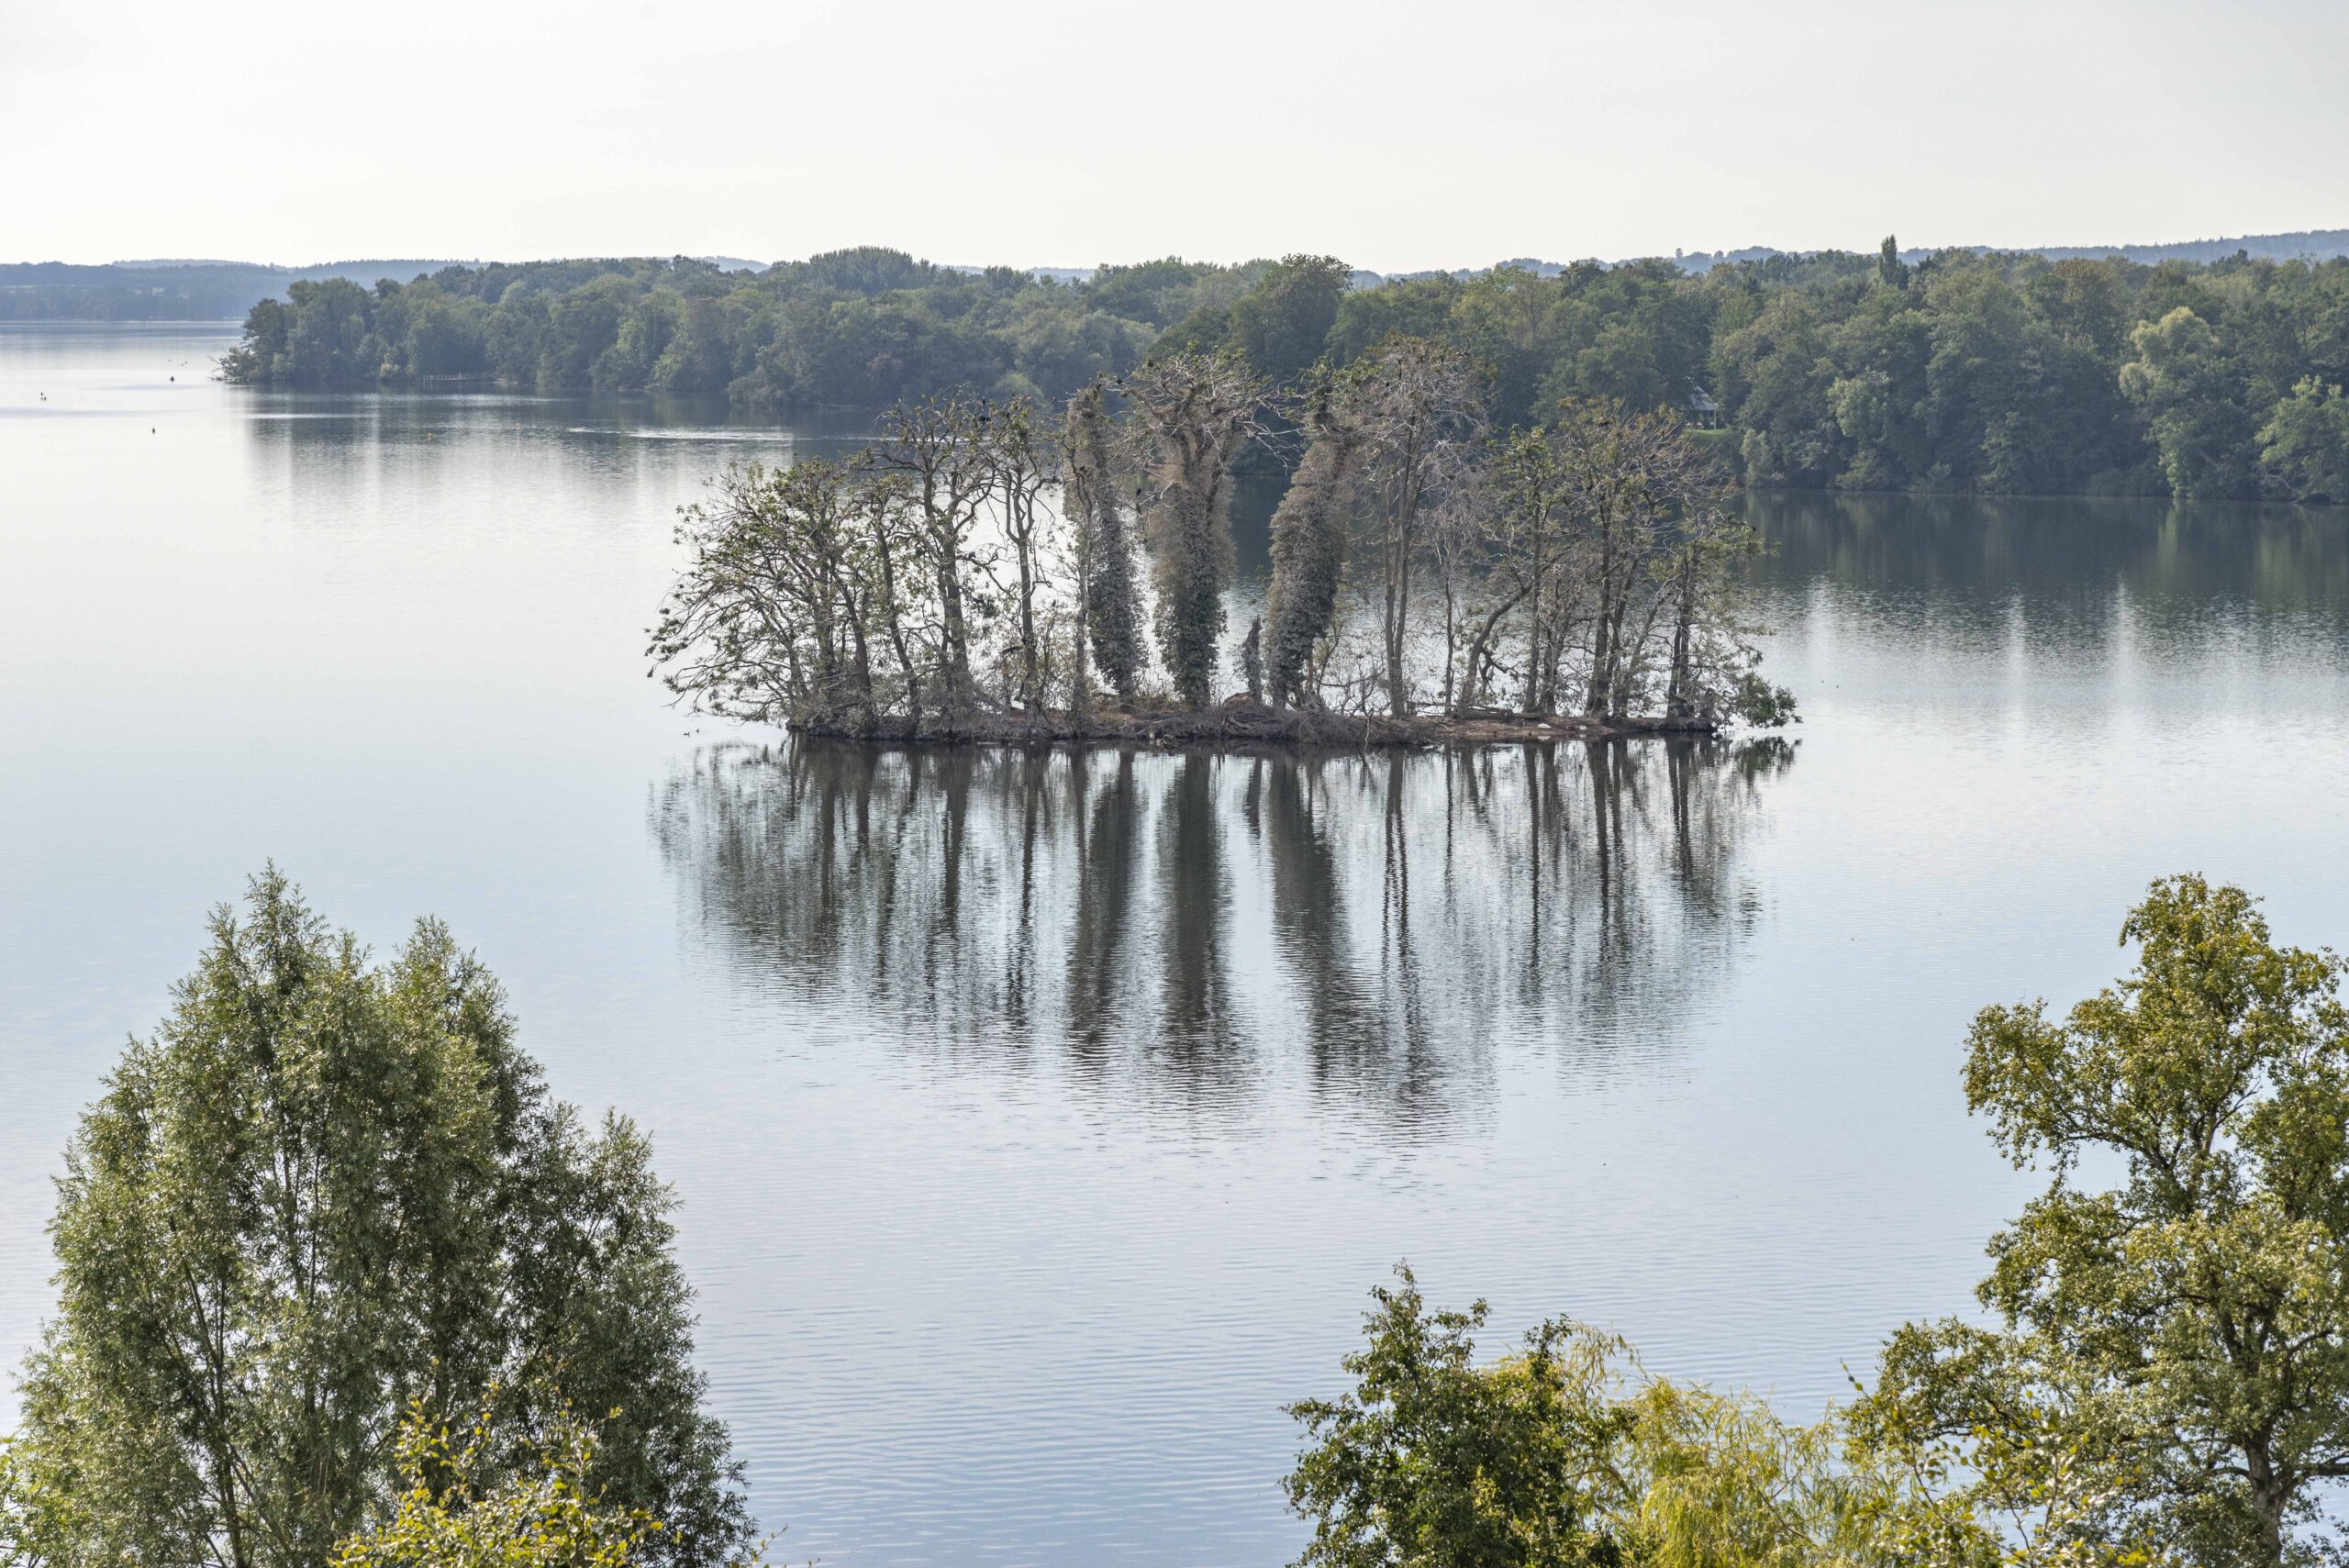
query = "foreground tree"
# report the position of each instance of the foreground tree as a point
(1565, 1454)
(1191, 413)
(2178, 1340)
(324, 1189)
(1435, 1461)
(469, 1501)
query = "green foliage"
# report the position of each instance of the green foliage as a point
(2305, 443)
(1996, 374)
(1762, 704)
(2178, 1342)
(1565, 1453)
(2184, 382)
(474, 1501)
(1278, 326)
(1437, 1463)
(323, 1189)
(1891, 269)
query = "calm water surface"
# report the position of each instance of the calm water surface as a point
(1040, 1122)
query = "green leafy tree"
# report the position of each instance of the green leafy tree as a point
(1891, 269)
(2183, 384)
(1565, 1453)
(471, 1501)
(327, 1187)
(1435, 1461)
(1719, 1479)
(1775, 376)
(1280, 325)
(2179, 1339)
(2305, 444)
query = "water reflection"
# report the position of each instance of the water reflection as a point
(1181, 926)
(2175, 562)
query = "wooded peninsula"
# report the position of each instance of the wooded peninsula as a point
(1987, 372)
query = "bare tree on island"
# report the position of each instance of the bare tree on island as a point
(1191, 414)
(1416, 406)
(936, 446)
(1021, 462)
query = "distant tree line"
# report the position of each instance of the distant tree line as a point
(1994, 373)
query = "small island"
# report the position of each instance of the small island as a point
(1001, 573)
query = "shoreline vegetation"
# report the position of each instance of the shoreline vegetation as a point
(1965, 371)
(1008, 573)
(1242, 723)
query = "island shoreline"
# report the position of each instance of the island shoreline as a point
(1242, 724)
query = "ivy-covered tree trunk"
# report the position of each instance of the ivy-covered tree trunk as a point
(1109, 604)
(1194, 411)
(1309, 529)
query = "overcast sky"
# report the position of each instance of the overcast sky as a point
(1037, 132)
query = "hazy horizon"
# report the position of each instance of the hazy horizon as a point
(417, 258)
(1063, 135)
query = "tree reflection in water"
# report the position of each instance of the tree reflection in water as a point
(1181, 925)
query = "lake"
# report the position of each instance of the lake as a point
(1041, 1122)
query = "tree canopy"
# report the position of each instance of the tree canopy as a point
(1966, 372)
(325, 1189)
(2174, 1307)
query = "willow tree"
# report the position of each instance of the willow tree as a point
(1191, 414)
(324, 1188)
(1108, 604)
(1311, 530)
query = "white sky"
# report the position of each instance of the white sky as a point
(1044, 132)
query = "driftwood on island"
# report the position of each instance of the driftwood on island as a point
(1243, 722)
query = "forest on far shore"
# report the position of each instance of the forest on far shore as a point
(1966, 371)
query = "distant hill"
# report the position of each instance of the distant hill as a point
(183, 289)
(176, 289)
(170, 290)
(2307, 244)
